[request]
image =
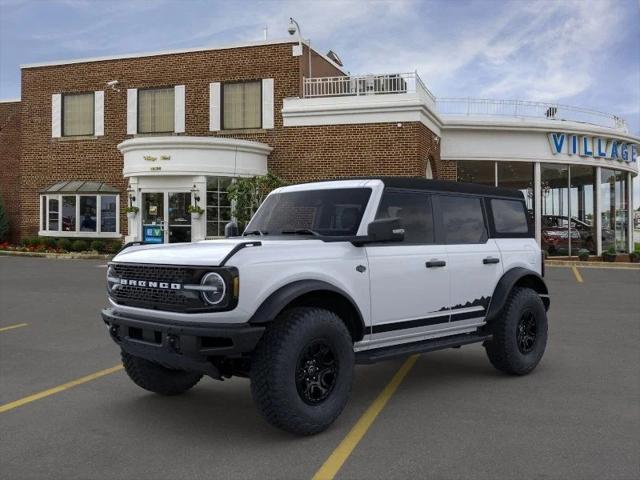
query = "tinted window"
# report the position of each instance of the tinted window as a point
(509, 216)
(414, 212)
(462, 220)
(332, 212)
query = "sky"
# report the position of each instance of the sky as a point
(576, 52)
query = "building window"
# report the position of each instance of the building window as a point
(555, 209)
(477, 171)
(78, 114)
(615, 210)
(156, 110)
(77, 215)
(518, 176)
(218, 205)
(582, 208)
(242, 105)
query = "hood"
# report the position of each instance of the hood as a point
(205, 253)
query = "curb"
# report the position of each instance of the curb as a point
(58, 256)
(611, 265)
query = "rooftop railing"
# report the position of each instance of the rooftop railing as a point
(399, 83)
(478, 107)
(356, 85)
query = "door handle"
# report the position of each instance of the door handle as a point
(490, 260)
(435, 263)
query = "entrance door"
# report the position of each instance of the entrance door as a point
(179, 219)
(165, 218)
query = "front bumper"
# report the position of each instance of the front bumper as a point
(191, 347)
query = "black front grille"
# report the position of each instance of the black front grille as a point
(179, 300)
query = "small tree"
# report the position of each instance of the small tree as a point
(246, 195)
(4, 223)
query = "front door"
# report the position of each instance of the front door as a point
(410, 279)
(165, 218)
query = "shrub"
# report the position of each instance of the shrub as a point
(98, 246)
(583, 254)
(79, 245)
(28, 242)
(47, 242)
(113, 246)
(64, 244)
(4, 223)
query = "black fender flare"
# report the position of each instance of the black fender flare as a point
(285, 295)
(518, 276)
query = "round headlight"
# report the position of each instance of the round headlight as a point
(215, 288)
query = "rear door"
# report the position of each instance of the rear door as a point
(475, 264)
(409, 279)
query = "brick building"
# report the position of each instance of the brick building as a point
(160, 131)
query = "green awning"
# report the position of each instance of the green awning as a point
(80, 186)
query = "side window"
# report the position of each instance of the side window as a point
(509, 216)
(413, 210)
(462, 220)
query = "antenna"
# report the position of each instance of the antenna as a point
(266, 32)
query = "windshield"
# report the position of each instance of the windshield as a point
(329, 212)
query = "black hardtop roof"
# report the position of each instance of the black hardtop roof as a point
(419, 183)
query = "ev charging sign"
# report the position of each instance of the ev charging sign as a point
(596, 147)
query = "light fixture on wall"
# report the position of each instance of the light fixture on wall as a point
(195, 192)
(294, 28)
(132, 197)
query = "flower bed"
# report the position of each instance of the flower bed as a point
(63, 245)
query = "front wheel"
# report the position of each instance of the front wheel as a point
(302, 370)
(520, 334)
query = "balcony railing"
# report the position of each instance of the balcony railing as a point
(399, 83)
(477, 107)
(356, 85)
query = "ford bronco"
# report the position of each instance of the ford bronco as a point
(327, 275)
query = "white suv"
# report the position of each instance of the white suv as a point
(327, 275)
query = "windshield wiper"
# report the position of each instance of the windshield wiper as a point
(254, 232)
(301, 231)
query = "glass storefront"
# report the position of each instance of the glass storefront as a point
(519, 176)
(218, 205)
(615, 210)
(568, 202)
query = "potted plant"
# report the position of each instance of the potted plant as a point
(583, 254)
(131, 212)
(610, 255)
(195, 211)
(635, 256)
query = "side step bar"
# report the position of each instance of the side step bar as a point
(406, 349)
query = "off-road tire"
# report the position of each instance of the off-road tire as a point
(156, 378)
(502, 349)
(275, 364)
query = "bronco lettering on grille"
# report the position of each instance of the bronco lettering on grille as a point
(148, 284)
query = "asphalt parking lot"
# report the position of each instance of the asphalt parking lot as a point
(453, 416)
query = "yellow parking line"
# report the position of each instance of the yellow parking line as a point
(45, 393)
(11, 327)
(335, 461)
(576, 274)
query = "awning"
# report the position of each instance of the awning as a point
(80, 186)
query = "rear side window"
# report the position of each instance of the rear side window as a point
(509, 216)
(414, 211)
(462, 220)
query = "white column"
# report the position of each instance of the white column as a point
(199, 226)
(537, 201)
(598, 213)
(134, 225)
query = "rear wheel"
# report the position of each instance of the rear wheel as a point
(520, 334)
(156, 378)
(302, 369)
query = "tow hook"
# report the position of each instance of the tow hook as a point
(174, 344)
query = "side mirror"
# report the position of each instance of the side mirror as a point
(231, 230)
(385, 230)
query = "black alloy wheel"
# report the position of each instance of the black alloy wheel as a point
(526, 332)
(316, 372)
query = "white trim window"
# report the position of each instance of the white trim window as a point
(242, 105)
(156, 110)
(78, 114)
(80, 215)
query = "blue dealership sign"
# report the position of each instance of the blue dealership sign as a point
(152, 234)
